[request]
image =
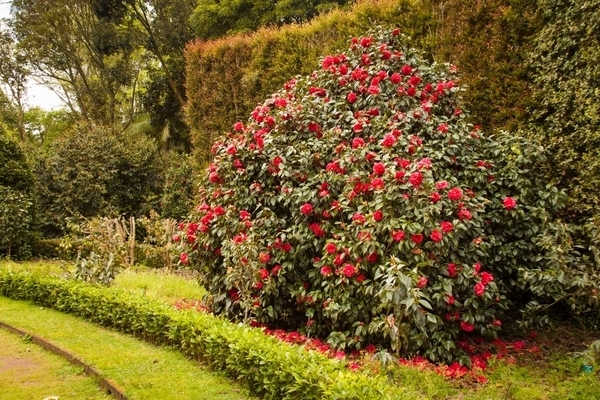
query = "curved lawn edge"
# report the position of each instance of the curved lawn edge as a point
(267, 366)
(105, 383)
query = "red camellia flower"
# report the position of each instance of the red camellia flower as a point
(417, 238)
(455, 194)
(275, 270)
(315, 227)
(389, 140)
(359, 218)
(442, 128)
(435, 197)
(446, 226)
(264, 274)
(264, 258)
(452, 270)
(398, 236)
(358, 142)
(422, 282)
(326, 271)
(436, 236)
(184, 258)
(479, 289)
(372, 258)
(509, 203)
(464, 214)
(396, 78)
(467, 327)
(351, 97)
(379, 168)
(330, 248)
(441, 185)
(349, 270)
(238, 126)
(416, 178)
(486, 278)
(219, 210)
(306, 209)
(378, 215)
(406, 70)
(450, 300)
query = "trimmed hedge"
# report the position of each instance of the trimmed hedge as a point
(272, 369)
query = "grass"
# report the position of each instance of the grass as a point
(144, 371)
(29, 372)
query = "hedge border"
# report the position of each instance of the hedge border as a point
(105, 383)
(268, 367)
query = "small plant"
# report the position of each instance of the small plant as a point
(591, 356)
(160, 247)
(96, 268)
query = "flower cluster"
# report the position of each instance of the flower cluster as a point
(359, 199)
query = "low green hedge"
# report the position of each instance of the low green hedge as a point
(272, 369)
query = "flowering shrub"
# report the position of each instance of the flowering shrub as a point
(359, 205)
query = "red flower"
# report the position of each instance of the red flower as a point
(315, 227)
(450, 300)
(306, 209)
(417, 238)
(446, 226)
(264, 274)
(326, 271)
(351, 97)
(359, 218)
(464, 214)
(372, 258)
(436, 236)
(184, 258)
(378, 215)
(452, 270)
(219, 210)
(396, 78)
(379, 168)
(509, 203)
(441, 185)
(479, 289)
(361, 278)
(398, 235)
(357, 142)
(422, 282)
(275, 270)
(442, 128)
(467, 327)
(399, 176)
(486, 278)
(406, 70)
(330, 248)
(238, 126)
(416, 178)
(435, 197)
(349, 270)
(264, 258)
(244, 215)
(389, 140)
(455, 194)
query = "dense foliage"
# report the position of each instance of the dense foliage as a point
(93, 172)
(567, 109)
(17, 211)
(358, 204)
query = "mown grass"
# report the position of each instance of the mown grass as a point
(144, 371)
(29, 372)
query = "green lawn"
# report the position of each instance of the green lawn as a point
(144, 371)
(28, 372)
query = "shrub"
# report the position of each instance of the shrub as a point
(18, 222)
(177, 199)
(358, 204)
(92, 172)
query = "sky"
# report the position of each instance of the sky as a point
(37, 95)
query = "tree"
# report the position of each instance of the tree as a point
(88, 62)
(14, 73)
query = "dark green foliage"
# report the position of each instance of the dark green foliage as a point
(272, 369)
(92, 172)
(177, 199)
(566, 117)
(17, 210)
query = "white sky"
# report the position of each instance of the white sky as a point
(37, 95)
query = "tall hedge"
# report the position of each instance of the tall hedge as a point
(487, 41)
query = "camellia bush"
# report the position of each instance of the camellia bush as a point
(358, 204)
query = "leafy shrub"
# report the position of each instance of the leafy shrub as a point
(273, 369)
(18, 216)
(177, 199)
(94, 172)
(96, 268)
(159, 249)
(565, 117)
(358, 204)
